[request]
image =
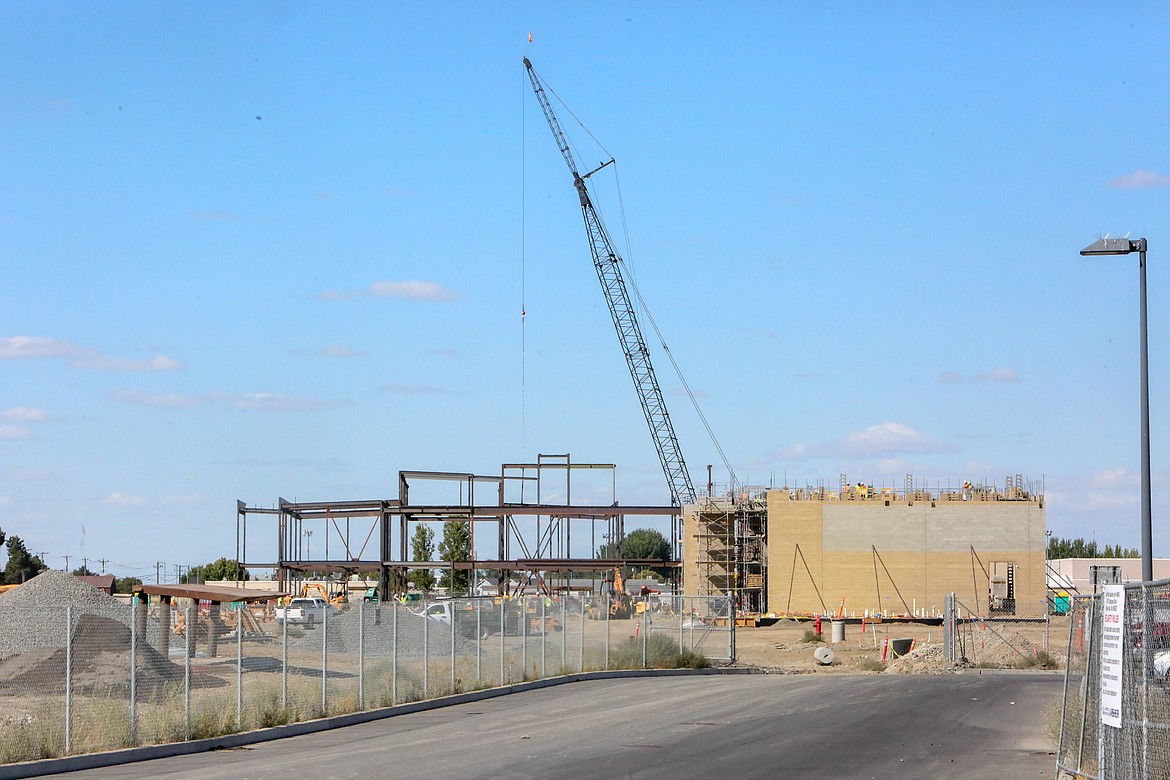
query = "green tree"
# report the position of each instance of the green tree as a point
(126, 584)
(640, 543)
(83, 571)
(1079, 548)
(22, 565)
(455, 546)
(220, 569)
(422, 548)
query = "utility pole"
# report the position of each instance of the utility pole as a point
(157, 566)
(66, 557)
(102, 561)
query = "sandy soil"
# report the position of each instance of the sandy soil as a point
(782, 647)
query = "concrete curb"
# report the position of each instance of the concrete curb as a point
(52, 766)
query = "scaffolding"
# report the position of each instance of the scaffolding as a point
(731, 539)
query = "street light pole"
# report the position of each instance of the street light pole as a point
(1123, 246)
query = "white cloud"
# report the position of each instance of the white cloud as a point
(414, 290)
(14, 433)
(107, 363)
(31, 347)
(125, 500)
(1109, 500)
(161, 401)
(885, 441)
(39, 347)
(1114, 478)
(950, 378)
(1140, 178)
(275, 402)
(262, 401)
(24, 414)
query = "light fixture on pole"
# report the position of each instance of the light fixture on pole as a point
(1124, 246)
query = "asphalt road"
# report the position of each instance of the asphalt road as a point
(801, 726)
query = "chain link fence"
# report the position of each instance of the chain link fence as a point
(92, 677)
(1115, 710)
(1022, 634)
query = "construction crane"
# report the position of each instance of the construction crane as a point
(608, 264)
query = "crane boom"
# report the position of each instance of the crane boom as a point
(608, 265)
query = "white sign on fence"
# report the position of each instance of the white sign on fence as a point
(1112, 656)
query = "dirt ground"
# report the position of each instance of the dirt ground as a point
(782, 646)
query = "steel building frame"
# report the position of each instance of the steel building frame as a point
(527, 508)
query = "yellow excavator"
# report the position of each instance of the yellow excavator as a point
(340, 601)
(619, 607)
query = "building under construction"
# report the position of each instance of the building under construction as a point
(526, 527)
(884, 551)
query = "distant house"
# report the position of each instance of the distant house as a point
(103, 582)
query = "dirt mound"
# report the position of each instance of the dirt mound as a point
(925, 659)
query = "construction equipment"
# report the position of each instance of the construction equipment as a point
(339, 601)
(620, 607)
(608, 264)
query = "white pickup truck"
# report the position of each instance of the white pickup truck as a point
(304, 612)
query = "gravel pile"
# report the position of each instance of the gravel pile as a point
(376, 627)
(100, 663)
(34, 615)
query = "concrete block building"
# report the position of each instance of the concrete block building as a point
(878, 551)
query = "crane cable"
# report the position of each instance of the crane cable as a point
(638, 294)
(661, 340)
(523, 258)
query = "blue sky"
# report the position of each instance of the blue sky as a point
(281, 249)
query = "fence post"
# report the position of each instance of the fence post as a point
(68, 679)
(426, 652)
(187, 652)
(478, 639)
(362, 654)
(543, 635)
(325, 660)
(454, 616)
(1089, 611)
(731, 628)
(607, 608)
(1064, 694)
(283, 663)
(564, 636)
(581, 640)
(524, 637)
(644, 633)
(394, 658)
(133, 675)
(240, 667)
(503, 632)
(1147, 670)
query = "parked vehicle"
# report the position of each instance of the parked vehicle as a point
(473, 620)
(304, 612)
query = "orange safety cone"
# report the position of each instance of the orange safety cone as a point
(885, 649)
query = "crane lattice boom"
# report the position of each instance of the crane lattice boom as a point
(608, 264)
